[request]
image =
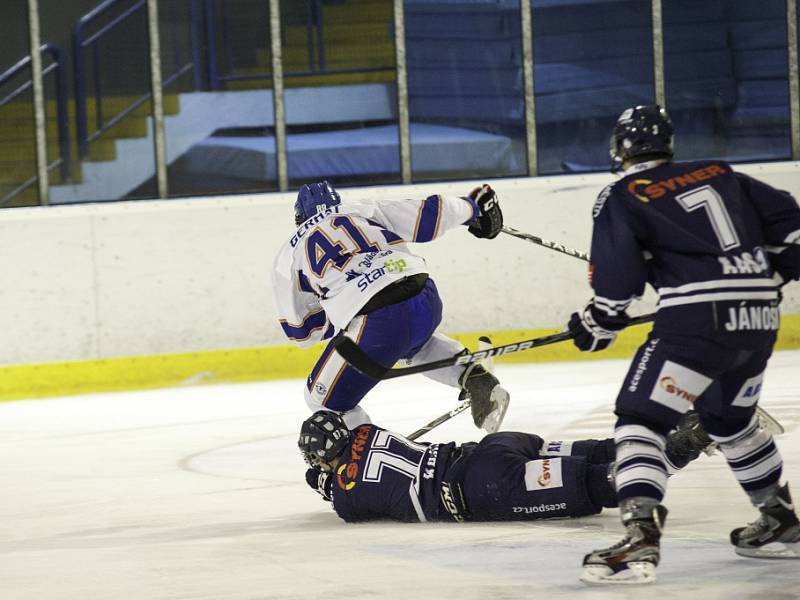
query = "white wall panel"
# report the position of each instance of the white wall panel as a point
(134, 278)
(47, 291)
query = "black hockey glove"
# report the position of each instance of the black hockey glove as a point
(593, 330)
(320, 482)
(490, 221)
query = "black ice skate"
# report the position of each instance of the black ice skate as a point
(489, 401)
(634, 559)
(776, 533)
(688, 441)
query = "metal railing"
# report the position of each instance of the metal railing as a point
(62, 118)
(317, 64)
(82, 40)
(204, 15)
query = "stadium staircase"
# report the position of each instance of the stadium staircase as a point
(358, 47)
(18, 150)
(356, 38)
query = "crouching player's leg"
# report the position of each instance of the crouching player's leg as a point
(745, 440)
(386, 333)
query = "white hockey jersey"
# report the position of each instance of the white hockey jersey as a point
(340, 258)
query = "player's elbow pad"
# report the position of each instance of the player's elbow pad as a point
(787, 263)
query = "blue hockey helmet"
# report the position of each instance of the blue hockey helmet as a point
(323, 437)
(641, 132)
(313, 198)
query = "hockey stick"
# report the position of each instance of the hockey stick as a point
(439, 420)
(547, 244)
(484, 343)
(766, 420)
(359, 359)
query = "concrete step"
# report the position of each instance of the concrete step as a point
(361, 34)
(134, 126)
(111, 105)
(317, 80)
(13, 174)
(17, 129)
(25, 151)
(29, 197)
(336, 57)
(356, 11)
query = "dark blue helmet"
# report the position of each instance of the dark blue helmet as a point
(642, 131)
(313, 198)
(323, 437)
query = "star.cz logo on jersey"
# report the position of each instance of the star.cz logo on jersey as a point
(390, 266)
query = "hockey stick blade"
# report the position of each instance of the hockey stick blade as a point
(484, 343)
(768, 423)
(360, 360)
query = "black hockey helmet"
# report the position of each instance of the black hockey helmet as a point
(312, 198)
(642, 131)
(323, 437)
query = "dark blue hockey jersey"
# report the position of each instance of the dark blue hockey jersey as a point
(507, 476)
(383, 475)
(708, 239)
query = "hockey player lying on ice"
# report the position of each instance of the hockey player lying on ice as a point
(369, 473)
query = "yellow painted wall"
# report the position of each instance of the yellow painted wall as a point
(277, 362)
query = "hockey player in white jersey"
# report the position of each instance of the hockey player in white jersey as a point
(347, 270)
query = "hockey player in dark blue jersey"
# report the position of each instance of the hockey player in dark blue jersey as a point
(370, 473)
(716, 245)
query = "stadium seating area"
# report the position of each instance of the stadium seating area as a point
(725, 78)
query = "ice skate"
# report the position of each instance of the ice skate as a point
(767, 422)
(488, 398)
(688, 441)
(634, 559)
(776, 533)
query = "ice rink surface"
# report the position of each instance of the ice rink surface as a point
(198, 492)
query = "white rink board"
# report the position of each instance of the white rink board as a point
(139, 278)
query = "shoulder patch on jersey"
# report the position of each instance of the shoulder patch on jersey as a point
(601, 200)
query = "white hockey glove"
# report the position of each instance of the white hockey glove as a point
(593, 330)
(321, 482)
(490, 221)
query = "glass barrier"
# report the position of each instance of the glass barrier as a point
(217, 71)
(591, 61)
(465, 89)
(17, 132)
(341, 93)
(112, 155)
(726, 79)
